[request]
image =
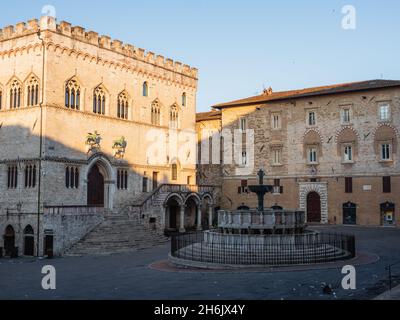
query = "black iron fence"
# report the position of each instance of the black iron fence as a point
(389, 268)
(274, 250)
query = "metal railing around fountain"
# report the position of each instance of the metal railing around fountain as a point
(299, 249)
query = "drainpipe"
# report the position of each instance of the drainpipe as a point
(40, 146)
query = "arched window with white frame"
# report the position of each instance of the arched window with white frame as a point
(174, 117)
(145, 90)
(72, 94)
(155, 113)
(15, 94)
(32, 92)
(184, 99)
(123, 106)
(99, 100)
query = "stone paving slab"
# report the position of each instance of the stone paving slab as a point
(362, 258)
(129, 276)
(393, 294)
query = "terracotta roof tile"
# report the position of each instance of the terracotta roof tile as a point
(310, 92)
(212, 115)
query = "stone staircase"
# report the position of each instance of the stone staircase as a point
(137, 226)
(118, 233)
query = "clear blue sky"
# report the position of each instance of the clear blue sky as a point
(242, 46)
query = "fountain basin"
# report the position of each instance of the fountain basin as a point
(266, 221)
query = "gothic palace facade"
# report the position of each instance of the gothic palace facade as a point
(75, 112)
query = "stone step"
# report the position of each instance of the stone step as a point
(117, 234)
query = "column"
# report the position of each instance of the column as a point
(182, 219)
(199, 226)
(210, 216)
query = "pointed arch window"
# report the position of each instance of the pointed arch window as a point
(174, 173)
(32, 90)
(30, 176)
(122, 179)
(174, 117)
(184, 99)
(72, 95)
(12, 177)
(15, 95)
(123, 106)
(145, 90)
(155, 114)
(71, 177)
(99, 100)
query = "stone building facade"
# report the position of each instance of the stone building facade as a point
(79, 113)
(332, 151)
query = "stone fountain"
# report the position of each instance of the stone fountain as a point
(261, 190)
(258, 238)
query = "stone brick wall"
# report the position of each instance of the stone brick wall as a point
(364, 130)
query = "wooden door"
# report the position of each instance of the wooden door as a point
(9, 241)
(29, 244)
(349, 213)
(95, 188)
(313, 207)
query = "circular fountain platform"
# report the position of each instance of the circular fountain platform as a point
(215, 250)
(259, 238)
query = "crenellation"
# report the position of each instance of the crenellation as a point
(117, 45)
(79, 33)
(33, 25)
(91, 37)
(178, 66)
(195, 72)
(186, 69)
(105, 42)
(20, 28)
(129, 50)
(48, 23)
(65, 28)
(169, 64)
(149, 57)
(141, 53)
(160, 60)
(8, 32)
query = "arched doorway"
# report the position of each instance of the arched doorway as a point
(9, 241)
(191, 216)
(29, 241)
(172, 218)
(95, 191)
(349, 213)
(313, 207)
